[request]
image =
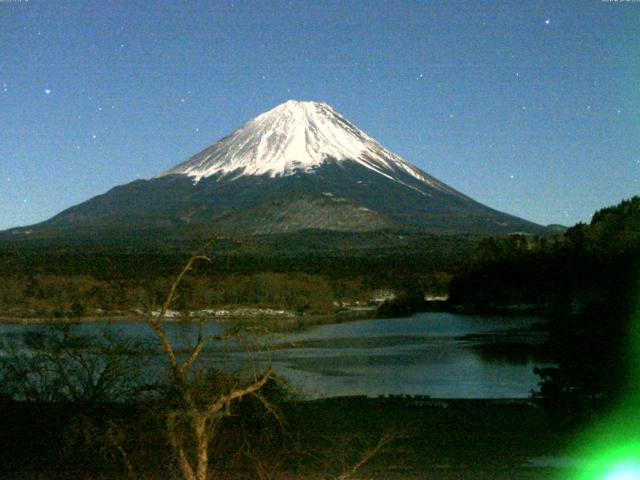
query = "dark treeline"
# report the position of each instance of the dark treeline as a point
(551, 274)
(323, 253)
(585, 281)
(588, 264)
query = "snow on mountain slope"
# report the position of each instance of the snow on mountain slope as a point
(297, 137)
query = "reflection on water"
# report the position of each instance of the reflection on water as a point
(437, 354)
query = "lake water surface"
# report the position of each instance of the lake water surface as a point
(437, 354)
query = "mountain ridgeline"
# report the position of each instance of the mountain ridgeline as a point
(300, 166)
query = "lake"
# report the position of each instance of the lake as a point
(442, 355)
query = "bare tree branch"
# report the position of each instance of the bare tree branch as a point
(196, 350)
(176, 444)
(195, 466)
(224, 400)
(174, 286)
(383, 441)
(269, 408)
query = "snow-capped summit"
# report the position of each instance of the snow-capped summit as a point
(297, 136)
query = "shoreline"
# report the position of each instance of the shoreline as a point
(251, 317)
(267, 316)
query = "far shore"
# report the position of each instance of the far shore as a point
(281, 320)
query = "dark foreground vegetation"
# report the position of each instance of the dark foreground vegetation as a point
(321, 439)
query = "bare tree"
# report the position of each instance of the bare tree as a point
(190, 427)
(58, 363)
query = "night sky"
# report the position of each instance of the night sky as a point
(531, 107)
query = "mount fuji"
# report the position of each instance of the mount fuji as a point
(299, 166)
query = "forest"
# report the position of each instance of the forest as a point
(63, 280)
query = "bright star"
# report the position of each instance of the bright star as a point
(47, 91)
(547, 21)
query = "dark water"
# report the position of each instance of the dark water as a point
(436, 354)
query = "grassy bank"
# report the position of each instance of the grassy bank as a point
(439, 438)
(443, 439)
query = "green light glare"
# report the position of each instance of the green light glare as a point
(610, 449)
(624, 472)
(618, 463)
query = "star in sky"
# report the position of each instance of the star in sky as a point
(47, 91)
(547, 21)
